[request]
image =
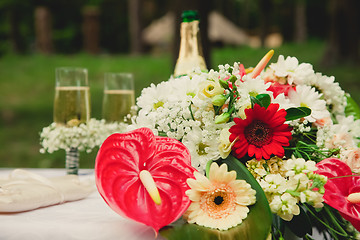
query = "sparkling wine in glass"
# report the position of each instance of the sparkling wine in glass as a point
(119, 96)
(72, 96)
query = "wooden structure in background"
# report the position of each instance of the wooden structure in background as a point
(135, 26)
(43, 27)
(91, 29)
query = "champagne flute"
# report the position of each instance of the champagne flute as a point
(72, 96)
(119, 96)
(71, 106)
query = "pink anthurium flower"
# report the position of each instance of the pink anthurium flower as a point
(143, 177)
(342, 190)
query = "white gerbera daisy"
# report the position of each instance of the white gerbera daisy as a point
(219, 201)
(333, 94)
(290, 69)
(252, 86)
(283, 101)
(153, 97)
(201, 147)
(306, 96)
(184, 86)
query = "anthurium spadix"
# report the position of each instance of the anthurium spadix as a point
(143, 177)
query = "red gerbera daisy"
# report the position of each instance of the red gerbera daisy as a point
(262, 133)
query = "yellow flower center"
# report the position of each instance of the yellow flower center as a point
(303, 105)
(218, 203)
(201, 149)
(158, 104)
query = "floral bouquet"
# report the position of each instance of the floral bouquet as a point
(273, 149)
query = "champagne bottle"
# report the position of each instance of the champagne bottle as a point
(190, 53)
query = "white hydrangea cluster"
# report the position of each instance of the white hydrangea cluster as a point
(288, 182)
(84, 137)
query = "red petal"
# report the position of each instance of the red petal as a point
(236, 129)
(264, 153)
(272, 109)
(118, 164)
(240, 149)
(251, 150)
(337, 189)
(281, 139)
(258, 154)
(267, 149)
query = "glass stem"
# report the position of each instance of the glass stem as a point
(72, 161)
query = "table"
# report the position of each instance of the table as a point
(89, 218)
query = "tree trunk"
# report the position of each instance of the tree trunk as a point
(91, 29)
(265, 19)
(203, 7)
(43, 33)
(343, 41)
(135, 26)
(17, 42)
(300, 34)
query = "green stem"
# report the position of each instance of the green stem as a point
(327, 225)
(352, 175)
(191, 113)
(335, 222)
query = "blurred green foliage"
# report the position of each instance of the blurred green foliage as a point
(114, 20)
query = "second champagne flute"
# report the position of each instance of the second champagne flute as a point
(119, 96)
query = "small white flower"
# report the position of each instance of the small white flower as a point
(285, 206)
(84, 137)
(298, 165)
(273, 183)
(313, 198)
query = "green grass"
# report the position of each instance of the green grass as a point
(27, 91)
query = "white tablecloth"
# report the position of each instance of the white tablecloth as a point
(90, 218)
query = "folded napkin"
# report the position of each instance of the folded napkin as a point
(24, 190)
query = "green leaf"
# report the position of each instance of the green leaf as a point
(264, 99)
(256, 226)
(255, 101)
(232, 79)
(352, 108)
(296, 113)
(224, 84)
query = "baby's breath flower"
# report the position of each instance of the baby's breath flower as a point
(84, 137)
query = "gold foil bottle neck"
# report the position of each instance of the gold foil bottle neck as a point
(190, 53)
